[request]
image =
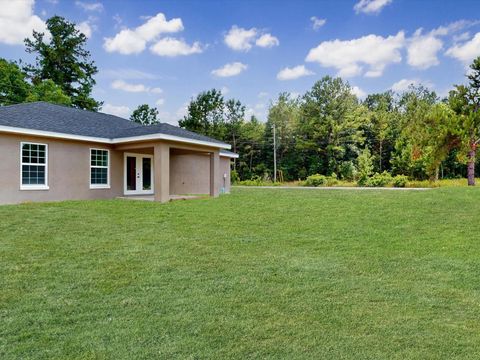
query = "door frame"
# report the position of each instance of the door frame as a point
(152, 176)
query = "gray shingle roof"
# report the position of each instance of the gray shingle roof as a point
(66, 120)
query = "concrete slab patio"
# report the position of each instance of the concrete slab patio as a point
(152, 197)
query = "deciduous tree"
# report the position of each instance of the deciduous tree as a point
(331, 122)
(465, 101)
(14, 88)
(145, 115)
(48, 91)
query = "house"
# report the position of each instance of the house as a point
(51, 152)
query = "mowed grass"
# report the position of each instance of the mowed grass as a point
(297, 274)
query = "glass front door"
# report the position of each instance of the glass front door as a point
(138, 174)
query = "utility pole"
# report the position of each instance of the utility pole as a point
(274, 155)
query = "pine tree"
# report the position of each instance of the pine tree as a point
(64, 60)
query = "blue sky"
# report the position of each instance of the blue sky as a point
(165, 52)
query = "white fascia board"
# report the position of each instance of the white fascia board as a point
(32, 132)
(158, 136)
(231, 156)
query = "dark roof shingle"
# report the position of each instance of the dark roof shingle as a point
(44, 116)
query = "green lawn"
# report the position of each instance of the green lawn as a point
(328, 274)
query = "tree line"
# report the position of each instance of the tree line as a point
(326, 131)
(329, 131)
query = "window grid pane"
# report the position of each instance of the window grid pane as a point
(34, 164)
(98, 167)
(99, 176)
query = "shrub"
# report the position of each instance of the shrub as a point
(302, 173)
(320, 180)
(332, 180)
(234, 177)
(347, 171)
(258, 181)
(400, 181)
(365, 166)
(254, 181)
(316, 180)
(379, 180)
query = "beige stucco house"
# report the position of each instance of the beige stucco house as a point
(51, 152)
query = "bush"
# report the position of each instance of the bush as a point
(254, 181)
(332, 180)
(258, 181)
(347, 171)
(316, 180)
(365, 167)
(320, 180)
(234, 177)
(379, 180)
(400, 181)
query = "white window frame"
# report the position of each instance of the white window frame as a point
(99, 186)
(33, 186)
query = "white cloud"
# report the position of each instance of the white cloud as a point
(129, 41)
(126, 42)
(231, 69)
(467, 51)
(122, 111)
(349, 56)
(174, 47)
(262, 94)
(118, 21)
(358, 92)
(173, 117)
(135, 88)
(225, 90)
(454, 27)
(240, 39)
(461, 37)
(423, 49)
(182, 110)
(258, 110)
(90, 6)
(403, 84)
(17, 21)
(267, 41)
(294, 73)
(317, 23)
(160, 102)
(129, 74)
(85, 28)
(370, 6)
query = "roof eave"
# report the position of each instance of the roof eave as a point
(160, 136)
(157, 136)
(230, 155)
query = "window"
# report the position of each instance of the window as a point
(34, 166)
(99, 169)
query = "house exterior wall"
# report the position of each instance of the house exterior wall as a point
(225, 173)
(190, 174)
(69, 171)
